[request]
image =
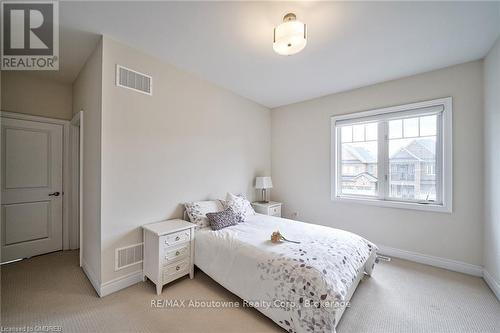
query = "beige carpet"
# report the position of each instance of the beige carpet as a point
(400, 297)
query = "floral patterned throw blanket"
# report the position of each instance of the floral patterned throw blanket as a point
(299, 286)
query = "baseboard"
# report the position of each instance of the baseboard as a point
(91, 276)
(120, 283)
(492, 283)
(452, 265)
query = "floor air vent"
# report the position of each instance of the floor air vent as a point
(130, 79)
(128, 256)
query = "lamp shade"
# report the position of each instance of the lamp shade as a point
(290, 36)
(263, 182)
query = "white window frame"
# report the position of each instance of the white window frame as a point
(444, 157)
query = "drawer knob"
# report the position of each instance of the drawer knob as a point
(177, 253)
(177, 238)
(177, 268)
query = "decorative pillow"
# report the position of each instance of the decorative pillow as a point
(223, 219)
(197, 211)
(240, 205)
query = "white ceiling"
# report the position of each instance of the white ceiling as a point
(350, 44)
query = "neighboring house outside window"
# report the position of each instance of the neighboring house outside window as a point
(359, 170)
(409, 170)
(412, 170)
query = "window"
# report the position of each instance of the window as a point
(398, 156)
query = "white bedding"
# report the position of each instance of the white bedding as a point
(299, 286)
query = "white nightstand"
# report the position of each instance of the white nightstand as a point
(168, 251)
(268, 208)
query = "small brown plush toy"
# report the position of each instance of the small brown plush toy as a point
(276, 237)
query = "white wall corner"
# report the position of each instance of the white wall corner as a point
(91, 276)
(452, 265)
(121, 282)
(492, 283)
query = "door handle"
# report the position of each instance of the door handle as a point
(55, 194)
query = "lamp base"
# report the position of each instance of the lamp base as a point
(264, 196)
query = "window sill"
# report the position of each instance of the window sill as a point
(395, 204)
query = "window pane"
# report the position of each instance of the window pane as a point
(428, 125)
(410, 127)
(358, 133)
(395, 129)
(359, 165)
(371, 131)
(346, 133)
(412, 169)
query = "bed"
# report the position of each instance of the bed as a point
(302, 287)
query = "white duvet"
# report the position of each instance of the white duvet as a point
(299, 286)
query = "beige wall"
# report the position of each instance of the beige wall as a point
(87, 97)
(301, 165)
(34, 94)
(492, 163)
(191, 140)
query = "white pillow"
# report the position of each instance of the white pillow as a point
(240, 205)
(197, 211)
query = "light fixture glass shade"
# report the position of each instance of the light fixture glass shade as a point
(263, 182)
(290, 37)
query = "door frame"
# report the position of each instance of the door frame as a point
(76, 197)
(66, 171)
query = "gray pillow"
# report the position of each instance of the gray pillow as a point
(221, 220)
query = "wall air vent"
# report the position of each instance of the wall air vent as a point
(130, 79)
(128, 256)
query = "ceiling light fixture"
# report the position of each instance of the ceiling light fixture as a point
(290, 36)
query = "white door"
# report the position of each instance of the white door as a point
(31, 213)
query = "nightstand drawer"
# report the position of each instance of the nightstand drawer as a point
(173, 254)
(176, 270)
(176, 238)
(275, 211)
